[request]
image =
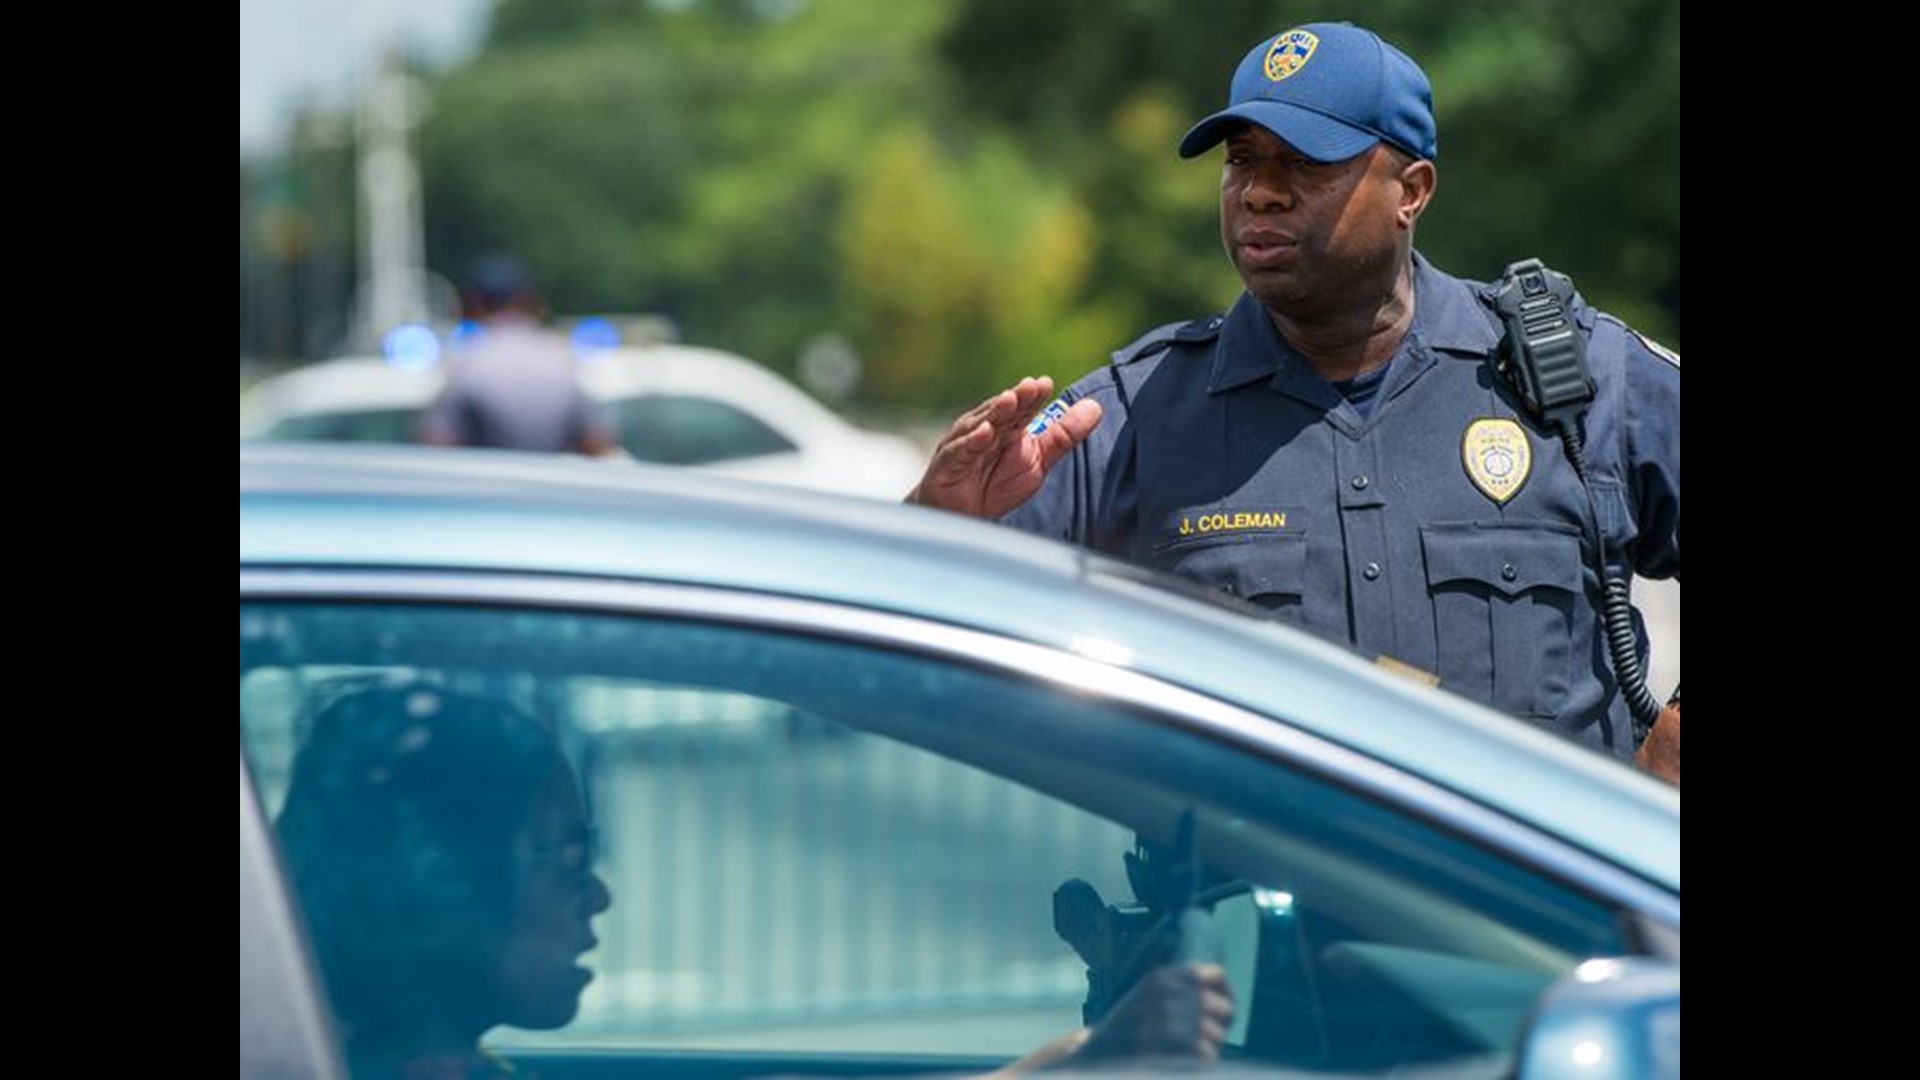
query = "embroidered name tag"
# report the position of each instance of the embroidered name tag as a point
(1232, 521)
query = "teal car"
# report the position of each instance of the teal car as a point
(863, 789)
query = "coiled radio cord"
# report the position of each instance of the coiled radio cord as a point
(1616, 612)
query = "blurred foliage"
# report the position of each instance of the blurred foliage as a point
(691, 162)
(1559, 126)
(972, 190)
(966, 272)
(298, 230)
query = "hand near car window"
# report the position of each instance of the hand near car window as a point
(1660, 754)
(988, 463)
(1177, 1012)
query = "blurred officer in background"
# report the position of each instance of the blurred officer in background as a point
(1350, 444)
(512, 383)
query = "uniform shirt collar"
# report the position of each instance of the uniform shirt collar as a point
(1447, 315)
(1249, 347)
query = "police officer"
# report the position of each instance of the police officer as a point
(1339, 446)
(512, 383)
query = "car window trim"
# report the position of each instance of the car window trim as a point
(1086, 674)
(286, 1027)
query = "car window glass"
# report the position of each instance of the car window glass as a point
(813, 845)
(369, 425)
(684, 429)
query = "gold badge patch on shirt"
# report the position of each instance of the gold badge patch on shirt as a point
(1498, 457)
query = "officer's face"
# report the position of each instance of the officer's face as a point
(1312, 238)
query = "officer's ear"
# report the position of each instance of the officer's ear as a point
(1417, 180)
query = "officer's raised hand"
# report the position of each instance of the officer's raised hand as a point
(987, 463)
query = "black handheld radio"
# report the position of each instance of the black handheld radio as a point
(1544, 355)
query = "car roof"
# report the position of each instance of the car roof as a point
(627, 370)
(354, 382)
(371, 381)
(430, 508)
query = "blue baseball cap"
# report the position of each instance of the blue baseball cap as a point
(1331, 90)
(497, 278)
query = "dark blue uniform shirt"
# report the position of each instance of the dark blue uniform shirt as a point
(1445, 529)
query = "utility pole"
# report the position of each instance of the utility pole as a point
(392, 239)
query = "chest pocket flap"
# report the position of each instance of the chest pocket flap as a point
(1508, 559)
(1503, 603)
(1265, 569)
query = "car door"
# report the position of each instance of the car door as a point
(833, 838)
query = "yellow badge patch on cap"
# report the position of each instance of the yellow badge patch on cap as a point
(1497, 456)
(1290, 52)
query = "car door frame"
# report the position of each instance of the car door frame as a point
(1654, 911)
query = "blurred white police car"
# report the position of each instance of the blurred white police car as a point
(669, 404)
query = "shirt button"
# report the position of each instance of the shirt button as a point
(1508, 573)
(1360, 483)
(1372, 571)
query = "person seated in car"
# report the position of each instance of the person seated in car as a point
(441, 847)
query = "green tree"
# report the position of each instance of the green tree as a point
(964, 273)
(689, 162)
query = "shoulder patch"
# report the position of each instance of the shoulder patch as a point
(1205, 328)
(1646, 342)
(1160, 338)
(1655, 347)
